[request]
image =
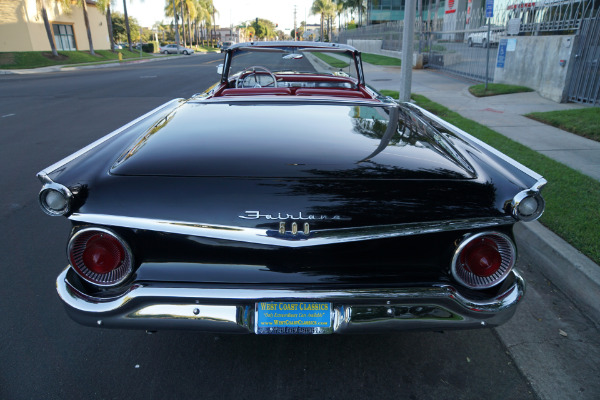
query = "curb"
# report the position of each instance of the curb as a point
(75, 67)
(568, 269)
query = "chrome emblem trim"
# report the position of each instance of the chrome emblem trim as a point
(297, 217)
(236, 234)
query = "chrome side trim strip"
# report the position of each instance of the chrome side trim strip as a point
(486, 146)
(42, 175)
(270, 238)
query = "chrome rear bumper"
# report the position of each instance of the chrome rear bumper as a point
(156, 307)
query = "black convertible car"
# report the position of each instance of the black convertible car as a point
(290, 198)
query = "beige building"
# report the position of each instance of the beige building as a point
(22, 26)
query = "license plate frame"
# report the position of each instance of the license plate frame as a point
(293, 318)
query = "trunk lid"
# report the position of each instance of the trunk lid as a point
(292, 141)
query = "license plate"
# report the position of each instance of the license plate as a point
(293, 318)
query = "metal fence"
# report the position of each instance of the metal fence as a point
(584, 86)
(458, 44)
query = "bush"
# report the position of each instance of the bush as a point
(148, 47)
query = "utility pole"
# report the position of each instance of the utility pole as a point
(407, 51)
(295, 26)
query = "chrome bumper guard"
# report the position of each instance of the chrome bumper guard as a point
(153, 308)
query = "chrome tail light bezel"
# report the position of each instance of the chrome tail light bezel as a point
(63, 191)
(77, 245)
(507, 250)
(527, 195)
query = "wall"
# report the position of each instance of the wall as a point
(14, 35)
(535, 63)
(22, 26)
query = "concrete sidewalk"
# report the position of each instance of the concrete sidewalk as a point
(503, 113)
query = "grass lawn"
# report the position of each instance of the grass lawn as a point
(583, 122)
(208, 49)
(495, 89)
(376, 59)
(572, 198)
(334, 62)
(36, 59)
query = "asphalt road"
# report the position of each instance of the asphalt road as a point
(45, 355)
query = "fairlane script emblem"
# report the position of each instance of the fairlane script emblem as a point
(285, 216)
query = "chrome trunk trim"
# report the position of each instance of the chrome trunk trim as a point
(271, 237)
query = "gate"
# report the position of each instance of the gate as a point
(584, 86)
(460, 45)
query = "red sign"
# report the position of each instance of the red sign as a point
(450, 6)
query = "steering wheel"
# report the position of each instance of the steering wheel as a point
(244, 79)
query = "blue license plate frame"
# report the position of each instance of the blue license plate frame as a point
(293, 318)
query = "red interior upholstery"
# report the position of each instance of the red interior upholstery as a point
(255, 91)
(328, 92)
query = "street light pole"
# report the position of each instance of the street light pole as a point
(407, 50)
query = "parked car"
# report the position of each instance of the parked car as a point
(172, 49)
(290, 198)
(225, 45)
(479, 37)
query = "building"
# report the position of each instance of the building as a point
(228, 35)
(22, 27)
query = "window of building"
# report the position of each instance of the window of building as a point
(64, 37)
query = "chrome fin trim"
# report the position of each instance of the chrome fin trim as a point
(43, 174)
(472, 138)
(266, 237)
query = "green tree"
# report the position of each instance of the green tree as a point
(263, 29)
(120, 28)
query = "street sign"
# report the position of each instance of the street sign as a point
(501, 53)
(489, 8)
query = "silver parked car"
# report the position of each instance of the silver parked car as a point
(172, 49)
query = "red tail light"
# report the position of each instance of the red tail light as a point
(483, 260)
(100, 256)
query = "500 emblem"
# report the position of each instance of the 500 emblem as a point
(305, 228)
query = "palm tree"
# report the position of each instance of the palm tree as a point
(127, 25)
(213, 11)
(171, 11)
(321, 7)
(202, 15)
(83, 4)
(42, 5)
(105, 5)
(356, 5)
(340, 5)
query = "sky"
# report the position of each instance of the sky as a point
(281, 12)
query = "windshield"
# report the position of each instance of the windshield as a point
(295, 60)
